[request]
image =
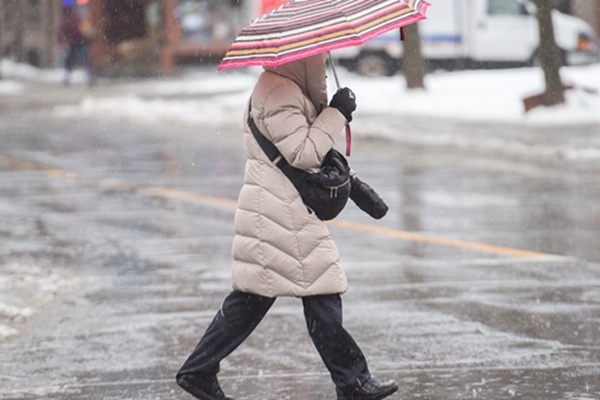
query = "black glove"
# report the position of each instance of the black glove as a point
(367, 199)
(345, 101)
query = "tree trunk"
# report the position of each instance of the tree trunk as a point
(47, 17)
(19, 29)
(2, 11)
(413, 64)
(549, 55)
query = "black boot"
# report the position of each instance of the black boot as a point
(203, 387)
(372, 389)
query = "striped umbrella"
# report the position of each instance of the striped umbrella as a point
(302, 28)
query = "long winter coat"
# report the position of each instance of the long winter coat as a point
(280, 247)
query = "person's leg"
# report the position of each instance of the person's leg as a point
(69, 62)
(238, 316)
(340, 353)
(87, 64)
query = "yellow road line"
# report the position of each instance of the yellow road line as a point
(417, 237)
(188, 196)
(175, 194)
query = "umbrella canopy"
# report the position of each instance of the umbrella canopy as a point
(302, 28)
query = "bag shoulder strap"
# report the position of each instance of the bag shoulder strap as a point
(268, 147)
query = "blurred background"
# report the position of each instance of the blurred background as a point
(155, 36)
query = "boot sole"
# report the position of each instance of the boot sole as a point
(193, 390)
(379, 396)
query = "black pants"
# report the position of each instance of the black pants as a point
(75, 51)
(79, 50)
(242, 312)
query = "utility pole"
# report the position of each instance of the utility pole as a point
(549, 55)
(413, 63)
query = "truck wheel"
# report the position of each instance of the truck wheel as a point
(375, 64)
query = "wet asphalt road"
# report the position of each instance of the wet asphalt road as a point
(498, 297)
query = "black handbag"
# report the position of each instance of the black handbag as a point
(325, 192)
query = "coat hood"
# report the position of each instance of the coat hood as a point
(310, 75)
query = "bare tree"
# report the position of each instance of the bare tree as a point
(413, 63)
(549, 55)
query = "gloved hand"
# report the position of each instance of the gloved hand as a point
(367, 199)
(345, 101)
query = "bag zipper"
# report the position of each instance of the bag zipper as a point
(333, 190)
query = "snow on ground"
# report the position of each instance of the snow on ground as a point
(208, 98)
(10, 69)
(482, 96)
(207, 95)
(23, 289)
(8, 88)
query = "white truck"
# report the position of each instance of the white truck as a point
(476, 32)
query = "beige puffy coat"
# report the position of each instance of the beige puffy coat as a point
(280, 248)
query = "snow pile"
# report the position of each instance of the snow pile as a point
(10, 69)
(137, 109)
(480, 95)
(8, 88)
(23, 289)
(206, 83)
(483, 96)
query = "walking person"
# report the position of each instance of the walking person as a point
(281, 248)
(75, 34)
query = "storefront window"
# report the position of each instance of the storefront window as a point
(209, 20)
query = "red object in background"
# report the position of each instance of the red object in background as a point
(270, 5)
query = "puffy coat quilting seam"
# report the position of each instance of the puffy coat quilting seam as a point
(283, 199)
(317, 244)
(289, 281)
(291, 256)
(277, 223)
(261, 229)
(295, 231)
(316, 279)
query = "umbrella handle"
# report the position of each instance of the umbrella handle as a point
(337, 81)
(348, 132)
(348, 140)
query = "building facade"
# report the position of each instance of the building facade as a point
(28, 30)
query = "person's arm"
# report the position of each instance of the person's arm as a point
(304, 146)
